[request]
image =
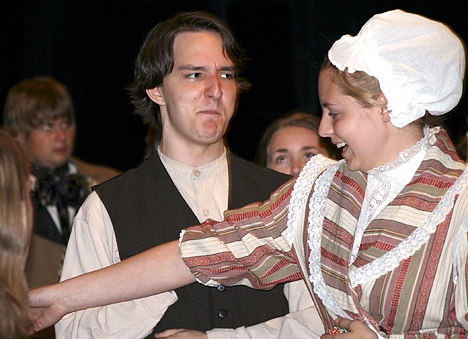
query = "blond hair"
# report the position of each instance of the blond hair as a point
(14, 238)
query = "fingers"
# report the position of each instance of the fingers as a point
(168, 333)
(352, 329)
(182, 334)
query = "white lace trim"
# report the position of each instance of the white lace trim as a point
(298, 202)
(301, 191)
(377, 197)
(413, 242)
(381, 189)
(404, 156)
(315, 221)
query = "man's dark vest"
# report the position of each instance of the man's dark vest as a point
(146, 210)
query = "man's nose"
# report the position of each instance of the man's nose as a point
(213, 88)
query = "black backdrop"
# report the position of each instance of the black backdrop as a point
(90, 45)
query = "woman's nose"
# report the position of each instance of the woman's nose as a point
(296, 167)
(325, 128)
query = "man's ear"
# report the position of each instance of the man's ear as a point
(21, 137)
(156, 95)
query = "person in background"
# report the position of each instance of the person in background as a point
(15, 232)
(39, 112)
(292, 140)
(462, 145)
(187, 82)
(380, 236)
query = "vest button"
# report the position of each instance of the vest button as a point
(221, 288)
(222, 313)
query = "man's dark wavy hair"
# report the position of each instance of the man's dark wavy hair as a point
(156, 57)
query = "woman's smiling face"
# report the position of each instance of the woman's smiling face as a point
(361, 132)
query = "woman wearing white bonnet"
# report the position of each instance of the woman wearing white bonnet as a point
(420, 63)
(381, 237)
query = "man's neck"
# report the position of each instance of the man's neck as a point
(193, 155)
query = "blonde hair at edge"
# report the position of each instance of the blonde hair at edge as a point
(15, 231)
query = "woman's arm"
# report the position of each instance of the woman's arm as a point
(157, 270)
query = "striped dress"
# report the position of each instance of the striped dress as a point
(404, 275)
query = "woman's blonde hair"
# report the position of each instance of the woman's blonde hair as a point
(14, 237)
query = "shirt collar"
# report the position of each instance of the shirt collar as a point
(183, 171)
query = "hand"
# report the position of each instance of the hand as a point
(44, 311)
(182, 334)
(355, 328)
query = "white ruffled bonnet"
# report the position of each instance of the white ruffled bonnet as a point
(419, 63)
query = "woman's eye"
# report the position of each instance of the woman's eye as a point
(332, 115)
(309, 156)
(280, 160)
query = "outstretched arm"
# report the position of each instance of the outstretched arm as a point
(157, 270)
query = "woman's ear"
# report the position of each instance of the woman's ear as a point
(385, 112)
(156, 95)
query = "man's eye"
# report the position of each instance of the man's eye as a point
(65, 124)
(193, 75)
(228, 76)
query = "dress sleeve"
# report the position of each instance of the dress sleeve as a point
(248, 248)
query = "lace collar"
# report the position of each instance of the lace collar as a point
(406, 155)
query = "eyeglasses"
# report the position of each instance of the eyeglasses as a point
(52, 126)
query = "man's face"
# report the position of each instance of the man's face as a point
(51, 144)
(198, 97)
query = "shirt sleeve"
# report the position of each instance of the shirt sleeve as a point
(249, 247)
(92, 246)
(302, 324)
(303, 321)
